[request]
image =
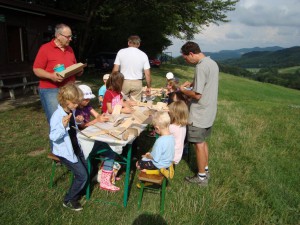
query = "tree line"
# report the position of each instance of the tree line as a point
(110, 22)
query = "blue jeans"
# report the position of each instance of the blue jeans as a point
(109, 154)
(79, 170)
(49, 101)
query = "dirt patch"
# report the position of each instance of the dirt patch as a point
(37, 152)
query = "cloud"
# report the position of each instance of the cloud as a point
(254, 23)
(267, 13)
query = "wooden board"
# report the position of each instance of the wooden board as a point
(72, 70)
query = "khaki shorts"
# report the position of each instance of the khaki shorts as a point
(133, 88)
(197, 134)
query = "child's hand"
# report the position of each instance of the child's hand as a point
(126, 110)
(79, 119)
(132, 103)
(66, 119)
(102, 118)
(147, 155)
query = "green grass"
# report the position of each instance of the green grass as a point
(254, 162)
(289, 69)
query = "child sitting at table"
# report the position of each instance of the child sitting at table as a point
(84, 110)
(170, 76)
(83, 113)
(102, 89)
(179, 113)
(65, 143)
(113, 95)
(162, 153)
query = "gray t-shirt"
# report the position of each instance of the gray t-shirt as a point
(203, 111)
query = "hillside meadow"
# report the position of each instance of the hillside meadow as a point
(254, 164)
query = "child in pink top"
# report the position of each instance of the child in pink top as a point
(178, 112)
(113, 94)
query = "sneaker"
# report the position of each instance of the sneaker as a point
(73, 205)
(207, 174)
(197, 180)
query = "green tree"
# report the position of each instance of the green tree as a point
(110, 22)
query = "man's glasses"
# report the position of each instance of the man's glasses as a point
(68, 37)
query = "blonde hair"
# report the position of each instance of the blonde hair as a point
(179, 113)
(69, 92)
(134, 39)
(161, 119)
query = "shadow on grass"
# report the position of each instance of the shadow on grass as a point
(145, 219)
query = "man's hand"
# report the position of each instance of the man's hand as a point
(185, 85)
(148, 91)
(56, 77)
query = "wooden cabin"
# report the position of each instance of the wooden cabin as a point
(24, 27)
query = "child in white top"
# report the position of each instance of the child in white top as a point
(178, 112)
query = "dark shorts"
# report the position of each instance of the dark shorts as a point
(197, 134)
(148, 165)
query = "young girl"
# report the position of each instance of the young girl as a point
(65, 143)
(178, 112)
(83, 113)
(113, 94)
(84, 110)
(178, 95)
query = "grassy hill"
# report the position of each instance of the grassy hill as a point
(230, 54)
(260, 59)
(254, 163)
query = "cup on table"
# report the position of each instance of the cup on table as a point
(59, 68)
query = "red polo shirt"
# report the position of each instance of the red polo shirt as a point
(50, 55)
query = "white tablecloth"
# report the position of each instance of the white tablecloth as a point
(116, 145)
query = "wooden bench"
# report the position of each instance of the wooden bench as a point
(11, 81)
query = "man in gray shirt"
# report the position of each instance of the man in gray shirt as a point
(203, 92)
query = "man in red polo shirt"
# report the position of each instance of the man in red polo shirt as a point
(57, 51)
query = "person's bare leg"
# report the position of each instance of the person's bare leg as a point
(206, 153)
(201, 156)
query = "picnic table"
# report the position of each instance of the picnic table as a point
(14, 80)
(89, 135)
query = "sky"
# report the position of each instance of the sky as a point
(254, 23)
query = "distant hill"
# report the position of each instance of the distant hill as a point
(286, 57)
(231, 54)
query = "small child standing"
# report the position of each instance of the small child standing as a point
(162, 153)
(179, 113)
(102, 89)
(83, 113)
(85, 110)
(65, 142)
(113, 95)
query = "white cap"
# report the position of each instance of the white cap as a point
(105, 76)
(170, 75)
(87, 91)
